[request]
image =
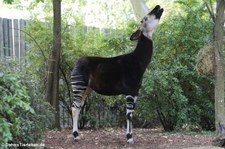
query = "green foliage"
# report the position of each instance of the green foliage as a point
(23, 115)
(171, 85)
(8, 1)
(14, 97)
(103, 111)
(11, 1)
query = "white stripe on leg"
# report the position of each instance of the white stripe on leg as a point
(75, 113)
(130, 105)
(128, 125)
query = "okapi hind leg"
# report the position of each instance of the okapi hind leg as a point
(130, 105)
(79, 88)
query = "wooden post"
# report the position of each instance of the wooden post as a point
(1, 38)
(5, 37)
(16, 38)
(10, 39)
(22, 39)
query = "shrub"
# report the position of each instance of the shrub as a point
(171, 85)
(23, 114)
(14, 99)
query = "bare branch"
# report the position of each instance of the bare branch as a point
(210, 10)
(42, 52)
(211, 5)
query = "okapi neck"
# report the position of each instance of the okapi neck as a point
(143, 50)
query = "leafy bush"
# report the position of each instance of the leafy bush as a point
(171, 85)
(14, 98)
(23, 115)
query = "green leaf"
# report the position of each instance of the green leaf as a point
(8, 1)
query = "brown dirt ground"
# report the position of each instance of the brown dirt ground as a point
(114, 138)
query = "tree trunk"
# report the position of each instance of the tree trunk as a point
(52, 91)
(219, 75)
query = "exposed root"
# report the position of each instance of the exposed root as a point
(220, 139)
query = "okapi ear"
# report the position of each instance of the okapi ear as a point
(136, 35)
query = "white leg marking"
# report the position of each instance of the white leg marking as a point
(79, 86)
(77, 90)
(128, 125)
(77, 82)
(135, 98)
(130, 110)
(75, 113)
(78, 95)
(77, 76)
(130, 141)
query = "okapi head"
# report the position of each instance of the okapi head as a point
(148, 24)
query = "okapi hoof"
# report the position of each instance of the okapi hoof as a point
(130, 140)
(77, 139)
(76, 136)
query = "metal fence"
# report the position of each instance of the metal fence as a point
(12, 42)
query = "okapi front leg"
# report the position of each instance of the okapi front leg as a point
(79, 87)
(130, 105)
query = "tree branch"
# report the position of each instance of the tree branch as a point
(66, 81)
(34, 42)
(210, 10)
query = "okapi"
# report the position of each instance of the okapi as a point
(116, 75)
